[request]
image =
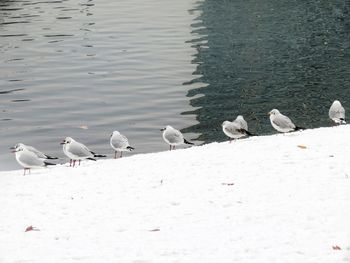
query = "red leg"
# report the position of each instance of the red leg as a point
(73, 163)
(115, 154)
(70, 162)
(170, 147)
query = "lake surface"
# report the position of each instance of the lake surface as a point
(85, 68)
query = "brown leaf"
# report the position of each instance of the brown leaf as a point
(31, 228)
(154, 230)
(229, 184)
(336, 247)
(302, 146)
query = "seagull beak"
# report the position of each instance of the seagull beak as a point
(162, 129)
(12, 148)
(63, 142)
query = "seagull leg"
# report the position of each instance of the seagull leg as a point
(79, 162)
(70, 162)
(121, 154)
(24, 171)
(73, 163)
(170, 147)
(115, 154)
(174, 147)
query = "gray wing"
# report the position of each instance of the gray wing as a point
(283, 121)
(242, 124)
(30, 159)
(233, 128)
(174, 136)
(337, 112)
(120, 142)
(37, 152)
(80, 150)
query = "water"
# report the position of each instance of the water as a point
(82, 68)
(259, 55)
(85, 68)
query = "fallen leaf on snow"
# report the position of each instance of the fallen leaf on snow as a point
(228, 184)
(336, 248)
(154, 230)
(31, 228)
(302, 146)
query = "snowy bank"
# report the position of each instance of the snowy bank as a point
(279, 198)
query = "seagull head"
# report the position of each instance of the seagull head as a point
(17, 145)
(17, 148)
(67, 140)
(168, 127)
(115, 133)
(274, 112)
(225, 123)
(240, 117)
(337, 102)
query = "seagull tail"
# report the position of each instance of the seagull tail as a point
(47, 163)
(99, 155)
(342, 121)
(297, 128)
(248, 132)
(92, 159)
(187, 142)
(51, 158)
(130, 148)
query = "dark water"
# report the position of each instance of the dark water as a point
(83, 68)
(260, 55)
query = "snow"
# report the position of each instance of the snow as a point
(279, 198)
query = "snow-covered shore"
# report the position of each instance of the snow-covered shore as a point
(279, 198)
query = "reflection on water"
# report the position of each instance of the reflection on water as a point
(254, 56)
(102, 65)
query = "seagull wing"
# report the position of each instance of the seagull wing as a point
(120, 141)
(174, 136)
(80, 150)
(30, 159)
(283, 121)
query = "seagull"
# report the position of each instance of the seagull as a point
(77, 151)
(173, 137)
(242, 122)
(236, 129)
(120, 143)
(337, 113)
(281, 122)
(38, 153)
(28, 159)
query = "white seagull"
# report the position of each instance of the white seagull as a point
(236, 129)
(281, 122)
(120, 144)
(77, 151)
(28, 159)
(337, 113)
(34, 150)
(242, 122)
(173, 137)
